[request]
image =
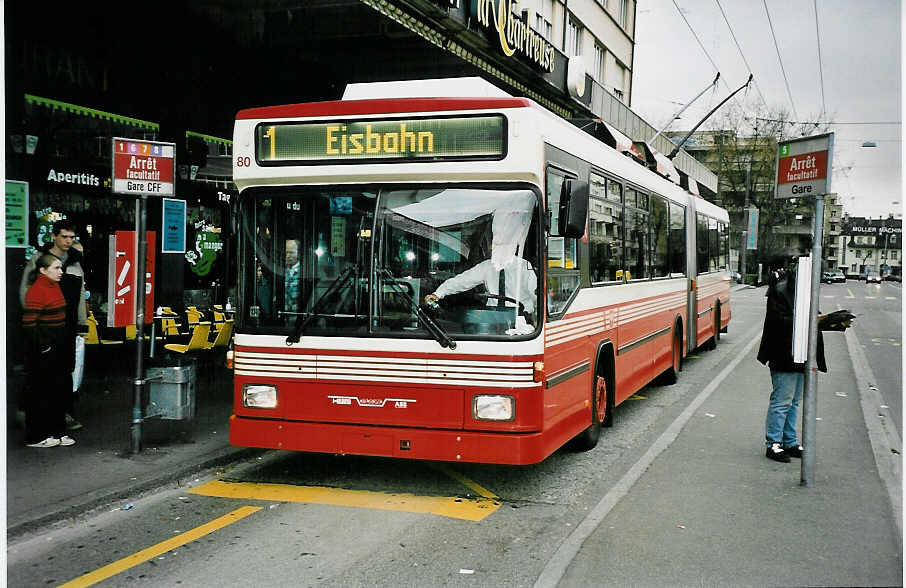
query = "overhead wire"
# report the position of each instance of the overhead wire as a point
(820, 65)
(780, 59)
(700, 44)
(741, 54)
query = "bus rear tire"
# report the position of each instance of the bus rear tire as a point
(670, 376)
(601, 415)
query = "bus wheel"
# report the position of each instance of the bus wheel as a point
(716, 324)
(671, 375)
(588, 438)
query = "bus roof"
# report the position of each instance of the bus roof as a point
(381, 106)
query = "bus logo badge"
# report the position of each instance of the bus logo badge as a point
(371, 402)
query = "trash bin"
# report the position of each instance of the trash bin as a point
(171, 391)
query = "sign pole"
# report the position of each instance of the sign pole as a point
(810, 382)
(141, 252)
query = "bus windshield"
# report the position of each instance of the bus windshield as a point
(428, 262)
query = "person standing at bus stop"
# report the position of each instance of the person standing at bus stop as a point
(787, 376)
(46, 347)
(72, 283)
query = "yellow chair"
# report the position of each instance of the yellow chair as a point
(198, 341)
(223, 333)
(219, 315)
(92, 337)
(193, 316)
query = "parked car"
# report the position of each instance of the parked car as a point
(833, 277)
(893, 278)
(872, 278)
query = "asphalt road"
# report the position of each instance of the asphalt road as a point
(284, 519)
(879, 330)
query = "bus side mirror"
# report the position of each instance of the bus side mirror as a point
(573, 208)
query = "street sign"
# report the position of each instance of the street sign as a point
(173, 226)
(121, 279)
(143, 167)
(804, 166)
(16, 213)
(752, 230)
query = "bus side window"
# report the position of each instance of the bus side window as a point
(605, 232)
(562, 260)
(677, 239)
(703, 251)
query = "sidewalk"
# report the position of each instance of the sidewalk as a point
(45, 486)
(711, 510)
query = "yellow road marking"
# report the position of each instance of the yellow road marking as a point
(478, 488)
(638, 397)
(445, 506)
(161, 548)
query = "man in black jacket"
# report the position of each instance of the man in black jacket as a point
(787, 377)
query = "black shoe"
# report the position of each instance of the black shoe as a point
(776, 452)
(794, 451)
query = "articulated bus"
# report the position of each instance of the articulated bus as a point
(456, 278)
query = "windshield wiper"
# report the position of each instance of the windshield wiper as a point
(335, 286)
(432, 327)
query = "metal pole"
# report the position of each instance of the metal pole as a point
(810, 383)
(745, 232)
(139, 289)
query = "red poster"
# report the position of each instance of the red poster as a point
(121, 287)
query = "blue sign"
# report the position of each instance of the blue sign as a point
(173, 226)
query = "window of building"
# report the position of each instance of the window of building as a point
(624, 13)
(858, 253)
(605, 239)
(573, 38)
(833, 226)
(598, 71)
(893, 254)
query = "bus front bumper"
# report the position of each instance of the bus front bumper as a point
(407, 443)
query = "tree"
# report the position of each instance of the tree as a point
(741, 149)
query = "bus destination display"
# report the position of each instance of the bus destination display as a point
(351, 141)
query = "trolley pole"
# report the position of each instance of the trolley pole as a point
(810, 383)
(141, 252)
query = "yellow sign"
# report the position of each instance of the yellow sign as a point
(514, 35)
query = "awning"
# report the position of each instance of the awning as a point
(90, 112)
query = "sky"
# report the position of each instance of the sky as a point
(861, 65)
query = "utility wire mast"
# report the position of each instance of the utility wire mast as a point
(683, 109)
(706, 117)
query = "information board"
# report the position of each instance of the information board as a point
(804, 166)
(16, 213)
(143, 167)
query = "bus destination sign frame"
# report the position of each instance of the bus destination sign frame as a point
(382, 140)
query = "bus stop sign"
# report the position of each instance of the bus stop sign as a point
(143, 167)
(804, 166)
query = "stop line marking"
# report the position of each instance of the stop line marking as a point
(446, 506)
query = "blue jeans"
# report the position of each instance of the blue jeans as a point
(783, 409)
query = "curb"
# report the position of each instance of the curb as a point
(66, 510)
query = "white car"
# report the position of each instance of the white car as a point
(876, 278)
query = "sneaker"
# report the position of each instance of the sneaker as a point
(794, 451)
(66, 441)
(776, 452)
(49, 442)
(72, 424)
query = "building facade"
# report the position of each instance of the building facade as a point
(871, 246)
(195, 64)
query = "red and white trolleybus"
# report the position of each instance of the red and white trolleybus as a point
(457, 278)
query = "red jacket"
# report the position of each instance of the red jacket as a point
(44, 317)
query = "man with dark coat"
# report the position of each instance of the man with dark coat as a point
(776, 351)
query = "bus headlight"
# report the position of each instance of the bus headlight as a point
(494, 408)
(259, 396)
